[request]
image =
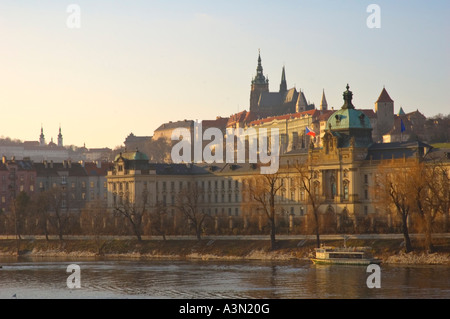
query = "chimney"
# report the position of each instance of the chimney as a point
(69, 163)
(4, 159)
(45, 163)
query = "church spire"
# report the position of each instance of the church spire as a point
(259, 78)
(42, 137)
(60, 137)
(323, 102)
(283, 84)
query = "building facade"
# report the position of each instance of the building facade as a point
(343, 167)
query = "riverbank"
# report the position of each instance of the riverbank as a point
(390, 251)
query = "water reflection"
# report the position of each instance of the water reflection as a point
(46, 278)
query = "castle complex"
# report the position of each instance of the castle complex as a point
(342, 148)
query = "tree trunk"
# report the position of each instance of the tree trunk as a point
(316, 217)
(408, 246)
(60, 233)
(428, 229)
(272, 234)
(137, 231)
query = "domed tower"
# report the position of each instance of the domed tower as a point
(351, 127)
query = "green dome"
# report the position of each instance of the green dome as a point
(351, 126)
(345, 119)
(132, 156)
(348, 117)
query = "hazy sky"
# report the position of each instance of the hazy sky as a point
(133, 65)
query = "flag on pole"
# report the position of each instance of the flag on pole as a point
(402, 126)
(310, 132)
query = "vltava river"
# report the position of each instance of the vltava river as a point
(47, 278)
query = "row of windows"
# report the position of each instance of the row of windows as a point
(73, 185)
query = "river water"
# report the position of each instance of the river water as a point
(46, 278)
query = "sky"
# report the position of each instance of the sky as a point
(110, 68)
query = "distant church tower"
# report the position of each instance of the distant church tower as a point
(60, 138)
(259, 84)
(283, 84)
(323, 102)
(42, 137)
(384, 108)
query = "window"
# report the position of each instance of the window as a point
(92, 184)
(63, 179)
(366, 210)
(366, 194)
(73, 185)
(83, 184)
(236, 211)
(292, 195)
(3, 199)
(366, 179)
(302, 211)
(346, 190)
(31, 188)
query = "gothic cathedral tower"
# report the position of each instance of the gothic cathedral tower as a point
(259, 84)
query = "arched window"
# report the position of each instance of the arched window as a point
(316, 189)
(333, 186)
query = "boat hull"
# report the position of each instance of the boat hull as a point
(346, 261)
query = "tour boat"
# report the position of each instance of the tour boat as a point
(343, 256)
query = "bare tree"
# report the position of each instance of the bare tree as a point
(188, 203)
(41, 207)
(133, 212)
(20, 205)
(430, 187)
(58, 208)
(394, 189)
(262, 190)
(157, 219)
(310, 185)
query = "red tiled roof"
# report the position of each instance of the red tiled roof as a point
(369, 113)
(93, 170)
(219, 122)
(284, 117)
(384, 97)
